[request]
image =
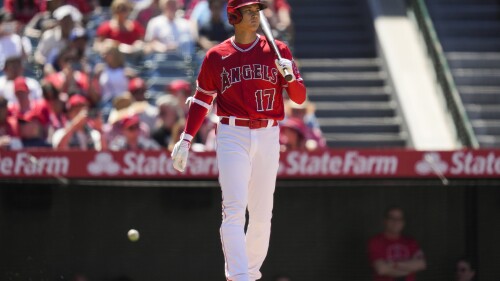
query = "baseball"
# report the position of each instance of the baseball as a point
(133, 235)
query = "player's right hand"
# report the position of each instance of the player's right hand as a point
(180, 154)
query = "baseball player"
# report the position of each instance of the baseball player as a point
(246, 78)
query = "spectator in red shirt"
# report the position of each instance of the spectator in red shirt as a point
(24, 10)
(393, 256)
(131, 138)
(9, 133)
(181, 89)
(24, 105)
(31, 131)
(127, 33)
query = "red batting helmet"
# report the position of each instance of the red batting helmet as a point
(233, 14)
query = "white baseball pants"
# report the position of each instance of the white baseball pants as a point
(248, 162)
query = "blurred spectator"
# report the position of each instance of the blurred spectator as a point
(145, 13)
(169, 115)
(43, 20)
(78, 40)
(147, 112)
(112, 76)
(466, 270)
(181, 89)
(216, 29)
(127, 34)
(85, 7)
(11, 44)
(292, 134)
(14, 68)
(305, 112)
(202, 13)
(31, 131)
(78, 134)
(123, 107)
(55, 102)
(55, 39)
(394, 256)
(280, 20)
(169, 32)
(130, 137)
(24, 10)
(9, 131)
(23, 103)
(69, 78)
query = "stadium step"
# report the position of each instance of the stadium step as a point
(364, 140)
(356, 125)
(487, 127)
(476, 77)
(345, 94)
(480, 94)
(474, 60)
(489, 141)
(488, 112)
(472, 29)
(336, 52)
(334, 65)
(355, 109)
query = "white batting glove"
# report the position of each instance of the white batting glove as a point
(285, 64)
(180, 155)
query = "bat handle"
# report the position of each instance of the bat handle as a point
(288, 75)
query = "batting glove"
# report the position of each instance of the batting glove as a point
(180, 154)
(285, 64)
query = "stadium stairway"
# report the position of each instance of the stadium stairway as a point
(336, 52)
(468, 31)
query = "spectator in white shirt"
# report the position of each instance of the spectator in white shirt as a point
(11, 44)
(55, 39)
(14, 68)
(169, 32)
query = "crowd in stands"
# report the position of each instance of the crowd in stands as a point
(77, 74)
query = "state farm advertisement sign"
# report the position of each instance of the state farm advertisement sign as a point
(353, 163)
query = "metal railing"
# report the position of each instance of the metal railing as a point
(445, 79)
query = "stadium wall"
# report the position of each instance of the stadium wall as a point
(51, 231)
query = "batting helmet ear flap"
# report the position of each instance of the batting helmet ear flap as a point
(234, 16)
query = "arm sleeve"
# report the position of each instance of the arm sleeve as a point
(296, 90)
(205, 92)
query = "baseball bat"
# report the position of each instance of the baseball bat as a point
(270, 38)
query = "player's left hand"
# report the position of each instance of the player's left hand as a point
(285, 64)
(180, 155)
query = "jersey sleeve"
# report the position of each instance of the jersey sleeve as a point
(205, 93)
(287, 54)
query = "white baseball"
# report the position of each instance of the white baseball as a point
(133, 235)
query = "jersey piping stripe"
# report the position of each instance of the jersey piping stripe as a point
(211, 93)
(247, 49)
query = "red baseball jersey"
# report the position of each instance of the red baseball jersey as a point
(401, 249)
(245, 79)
